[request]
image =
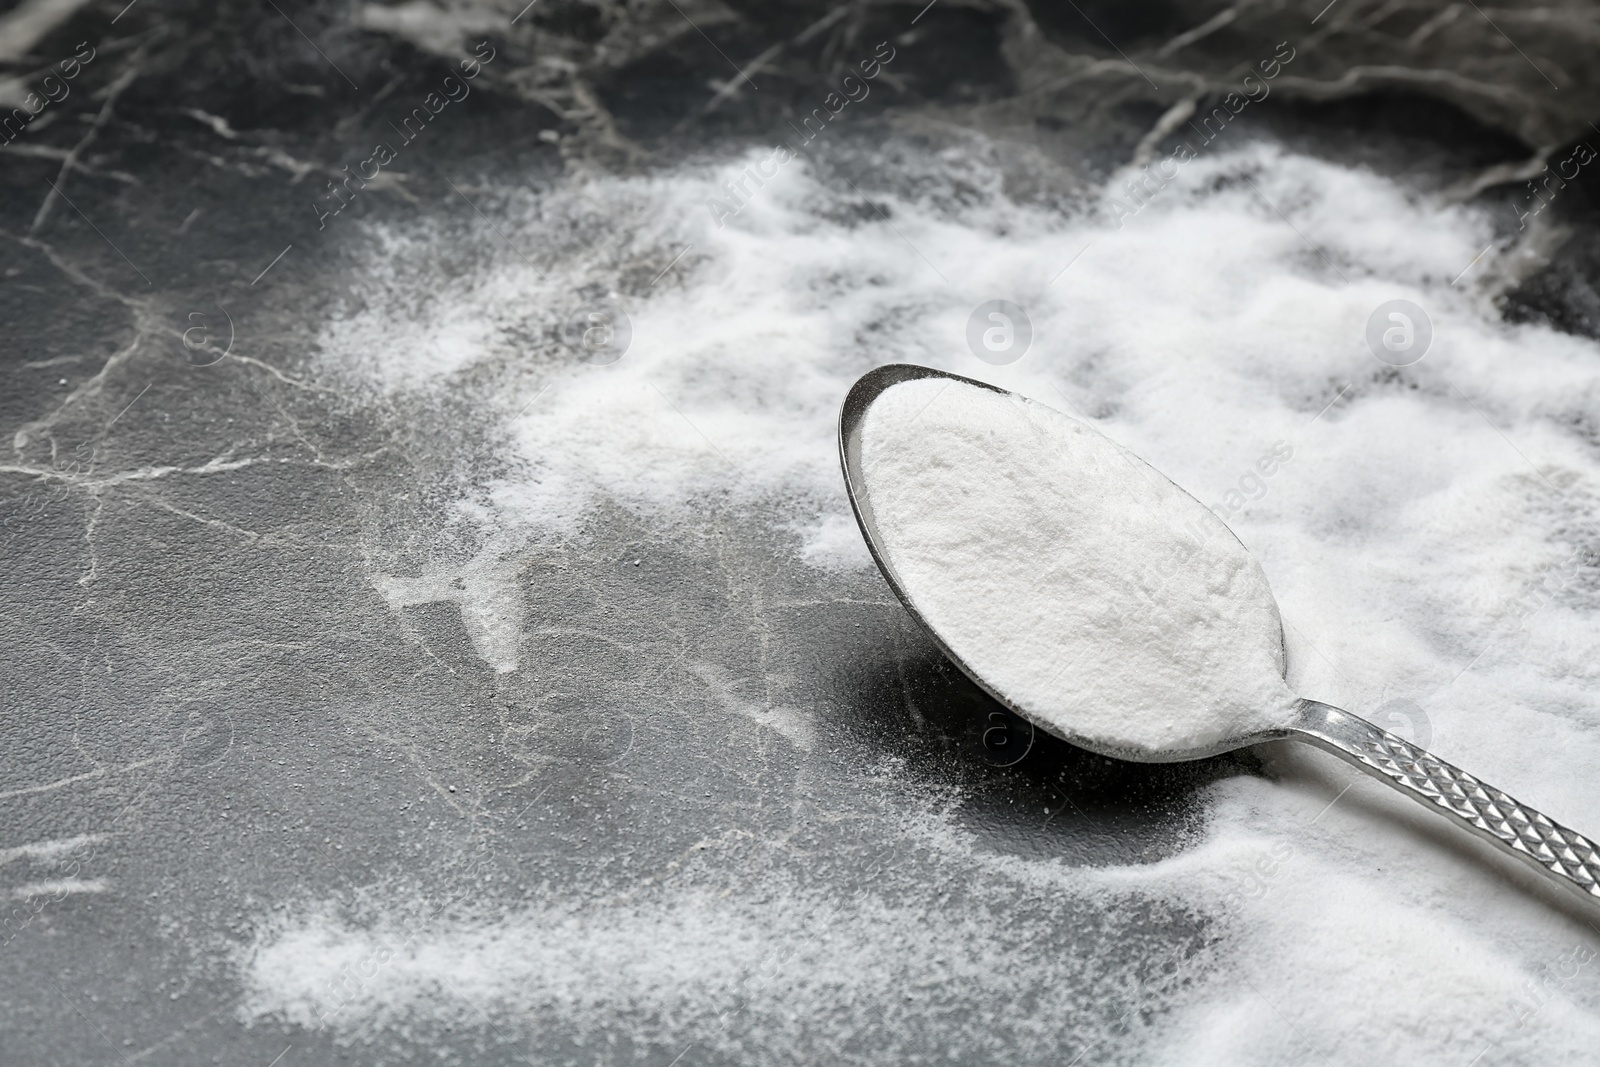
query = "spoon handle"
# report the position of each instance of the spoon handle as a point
(1562, 855)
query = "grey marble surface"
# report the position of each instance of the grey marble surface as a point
(211, 715)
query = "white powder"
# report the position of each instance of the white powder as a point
(828, 981)
(1400, 542)
(1086, 589)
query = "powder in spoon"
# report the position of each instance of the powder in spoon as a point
(1084, 587)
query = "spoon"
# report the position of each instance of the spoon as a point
(1560, 854)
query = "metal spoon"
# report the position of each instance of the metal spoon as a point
(1562, 855)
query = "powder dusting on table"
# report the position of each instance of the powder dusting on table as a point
(1085, 588)
(1420, 544)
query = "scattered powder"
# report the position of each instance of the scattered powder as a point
(60, 887)
(1402, 542)
(52, 853)
(828, 981)
(1089, 591)
(487, 592)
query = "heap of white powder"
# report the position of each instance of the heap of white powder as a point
(1420, 560)
(1082, 586)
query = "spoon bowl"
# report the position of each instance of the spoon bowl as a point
(1562, 855)
(852, 418)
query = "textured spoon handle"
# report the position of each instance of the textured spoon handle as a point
(1565, 856)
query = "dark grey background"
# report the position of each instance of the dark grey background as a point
(197, 666)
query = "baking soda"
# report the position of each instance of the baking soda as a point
(1417, 546)
(1083, 587)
